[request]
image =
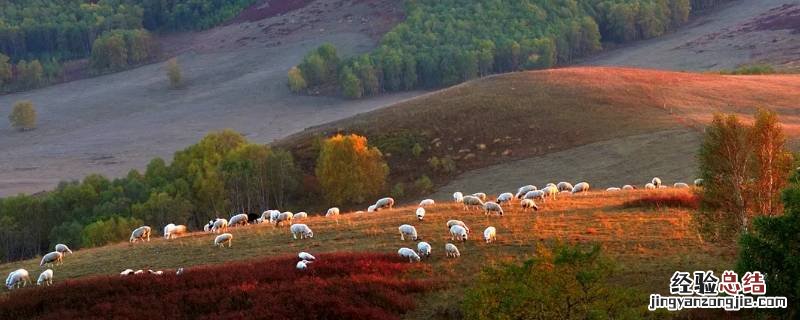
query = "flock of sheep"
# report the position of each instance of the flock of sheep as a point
(527, 196)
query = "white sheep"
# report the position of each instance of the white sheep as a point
(524, 190)
(458, 197)
(179, 272)
(371, 208)
(420, 213)
(451, 250)
(408, 254)
(239, 219)
(534, 194)
(140, 233)
(613, 189)
(698, 182)
(451, 223)
(384, 203)
(284, 217)
(222, 239)
(140, 271)
(220, 225)
(306, 256)
(126, 272)
(581, 187)
(529, 203)
(490, 234)
(302, 265)
(505, 197)
(480, 195)
(63, 248)
(157, 273)
(551, 191)
(458, 233)
(656, 182)
(46, 278)
(628, 187)
(408, 230)
(332, 212)
(492, 207)
(269, 215)
(424, 248)
(301, 229)
(17, 279)
(680, 185)
(649, 186)
(427, 203)
(564, 186)
(172, 231)
(52, 258)
(472, 201)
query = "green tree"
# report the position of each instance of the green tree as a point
(5, 71)
(161, 209)
(296, 81)
(109, 53)
(351, 85)
(283, 177)
(29, 74)
(349, 171)
(23, 116)
(114, 229)
(174, 73)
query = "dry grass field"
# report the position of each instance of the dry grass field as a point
(649, 243)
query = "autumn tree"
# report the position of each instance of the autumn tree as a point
(23, 116)
(296, 81)
(744, 168)
(174, 73)
(349, 171)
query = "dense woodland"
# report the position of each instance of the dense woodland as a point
(47, 33)
(445, 42)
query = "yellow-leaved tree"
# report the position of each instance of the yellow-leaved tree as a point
(349, 171)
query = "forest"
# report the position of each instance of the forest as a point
(445, 42)
(47, 33)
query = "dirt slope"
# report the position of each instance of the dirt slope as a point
(737, 33)
(235, 75)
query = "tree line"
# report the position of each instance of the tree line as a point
(223, 173)
(442, 43)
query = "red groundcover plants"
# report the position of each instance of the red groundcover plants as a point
(336, 286)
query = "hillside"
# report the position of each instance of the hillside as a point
(648, 243)
(606, 125)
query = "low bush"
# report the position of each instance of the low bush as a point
(666, 200)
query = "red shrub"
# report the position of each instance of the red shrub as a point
(336, 286)
(666, 200)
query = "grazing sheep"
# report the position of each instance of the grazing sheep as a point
(409, 254)
(551, 191)
(17, 279)
(219, 225)
(656, 182)
(302, 264)
(505, 197)
(306, 256)
(472, 201)
(63, 248)
(451, 223)
(564, 186)
(52, 258)
(451, 250)
(628, 187)
(301, 229)
(424, 249)
(207, 227)
(698, 182)
(140, 271)
(524, 190)
(458, 233)
(581, 187)
(300, 215)
(239, 219)
(492, 207)
(140, 233)
(332, 212)
(613, 189)
(284, 217)
(680, 185)
(158, 273)
(46, 278)
(420, 213)
(179, 272)
(269, 215)
(371, 208)
(535, 194)
(127, 272)
(490, 234)
(384, 203)
(408, 230)
(649, 186)
(528, 203)
(222, 239)
(172, 231)
(427, 203)
(458, 197)
(480, 195)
